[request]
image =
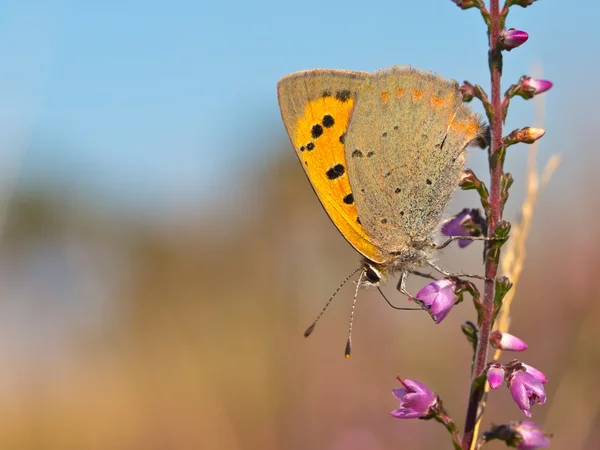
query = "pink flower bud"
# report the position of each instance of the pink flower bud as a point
(522, 3)
(464, 4)
(512, 38)
(538, 86)
(527, 135)
(467, 91)
(506, 341)
(495, 376)
(532, 134)
(468, 179)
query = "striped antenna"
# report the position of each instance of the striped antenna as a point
(349, 341)
(311, 328)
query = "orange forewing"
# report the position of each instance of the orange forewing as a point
(316, 107)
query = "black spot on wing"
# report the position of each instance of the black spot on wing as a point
(328, 121)
(343, 96)
(349, 199)
(316, 131)
(335, 172)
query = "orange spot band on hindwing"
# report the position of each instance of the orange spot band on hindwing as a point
(384, 96)
(468, 129)
(400, 91)
(417, 94)
(438, 102)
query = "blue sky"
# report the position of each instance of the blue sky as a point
(156, 105)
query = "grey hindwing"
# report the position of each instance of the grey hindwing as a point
(404, 162)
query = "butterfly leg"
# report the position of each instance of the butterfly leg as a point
(450, 274)
(402, 284)
(423, 274)
(465, 238)
(402, 288)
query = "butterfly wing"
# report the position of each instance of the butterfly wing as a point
(405, 149)
(316, 107)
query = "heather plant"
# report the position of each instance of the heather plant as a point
(524, 383)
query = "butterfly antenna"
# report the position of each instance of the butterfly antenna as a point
(396, 307)
(349, 341)
(311, 328)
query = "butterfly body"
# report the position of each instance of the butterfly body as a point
(384, 153)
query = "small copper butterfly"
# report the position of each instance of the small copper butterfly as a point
(384, 152)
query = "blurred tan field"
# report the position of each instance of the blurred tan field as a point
(121, 335)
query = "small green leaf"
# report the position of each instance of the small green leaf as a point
(470, 331)
(503, 285)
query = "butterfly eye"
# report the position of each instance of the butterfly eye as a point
(372, 276)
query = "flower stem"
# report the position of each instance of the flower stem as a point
(443, 418)
(496, 164)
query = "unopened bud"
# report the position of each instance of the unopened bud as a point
(527, 135)
(506, 341)
(512, 38)
(538, 86)
(468, 91)
(464, 4)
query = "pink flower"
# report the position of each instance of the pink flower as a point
(416, 400)
(536, 373)
(526, 390)
(468, 222)
(438, 297)
(531, 436)
(523, 435)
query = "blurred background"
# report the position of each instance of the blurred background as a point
(162, 251)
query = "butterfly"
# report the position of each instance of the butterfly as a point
(384, 152)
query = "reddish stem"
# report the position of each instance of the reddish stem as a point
(491, 268)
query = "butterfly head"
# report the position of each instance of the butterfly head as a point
(373, 274)
(409, 258)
